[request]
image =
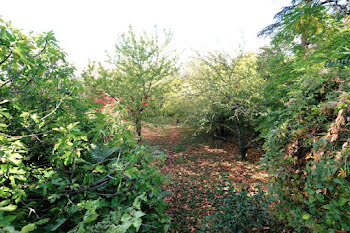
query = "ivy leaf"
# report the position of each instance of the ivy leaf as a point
(124, 227)
(137, 223)
(139, 214)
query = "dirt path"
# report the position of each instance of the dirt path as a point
(196, 164)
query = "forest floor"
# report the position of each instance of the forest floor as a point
(196, 164)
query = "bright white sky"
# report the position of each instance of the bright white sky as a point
(87, 29)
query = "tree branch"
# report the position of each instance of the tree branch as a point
(8, 56)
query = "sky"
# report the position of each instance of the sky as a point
(87, 29)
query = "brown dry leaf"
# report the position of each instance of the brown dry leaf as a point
(197, 169)
(292, 149)
(333, 133)
(335, 128)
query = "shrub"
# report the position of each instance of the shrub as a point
(238, 211)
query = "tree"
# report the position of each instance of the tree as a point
(221, 93)
(340, 7)
(142, 67)
(306, 21)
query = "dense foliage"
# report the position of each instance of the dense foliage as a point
(307, 132)
(68, 166)
(141, 68)
(296, 94)
(64, 166)
(220, 94)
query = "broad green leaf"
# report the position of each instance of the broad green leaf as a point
(59, 222)
(139, 214)
(8, 208)
(4, 202)
(342, 201)
(42, 221)
(5, 221)
(137, 223)
(6, 114)
(90, 217)
(28, 228)
(306, 216)
(328, 207)
(124, 227)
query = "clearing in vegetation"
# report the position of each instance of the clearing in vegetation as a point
(195, 164)
(69, 164)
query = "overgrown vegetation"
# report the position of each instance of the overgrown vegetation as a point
(296, 95)
(68, 166)
(220, 94)
(64, 166)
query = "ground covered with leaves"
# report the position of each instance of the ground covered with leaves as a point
(196, 166)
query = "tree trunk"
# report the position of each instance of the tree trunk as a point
(242, 148)
(138, 128)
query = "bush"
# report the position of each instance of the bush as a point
(238, 211)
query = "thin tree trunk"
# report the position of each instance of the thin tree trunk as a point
(242, 148)
(138, 127)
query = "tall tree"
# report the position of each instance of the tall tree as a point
(305, 21)
(142, 66)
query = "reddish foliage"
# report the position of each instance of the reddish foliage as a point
(105, 100)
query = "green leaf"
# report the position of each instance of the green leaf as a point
(15, 158)
(8, 208)
(90, 217)
(42, 221)
(139, 214)
(124, 227)
(306, 216)
(342, 201)
(4, 202)
(6, 114)
(3, 34)
(28, 228)
(137, 223)
(328, 207)
(4, 101)
(5, 221)
(81, 228)
(59, 222)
